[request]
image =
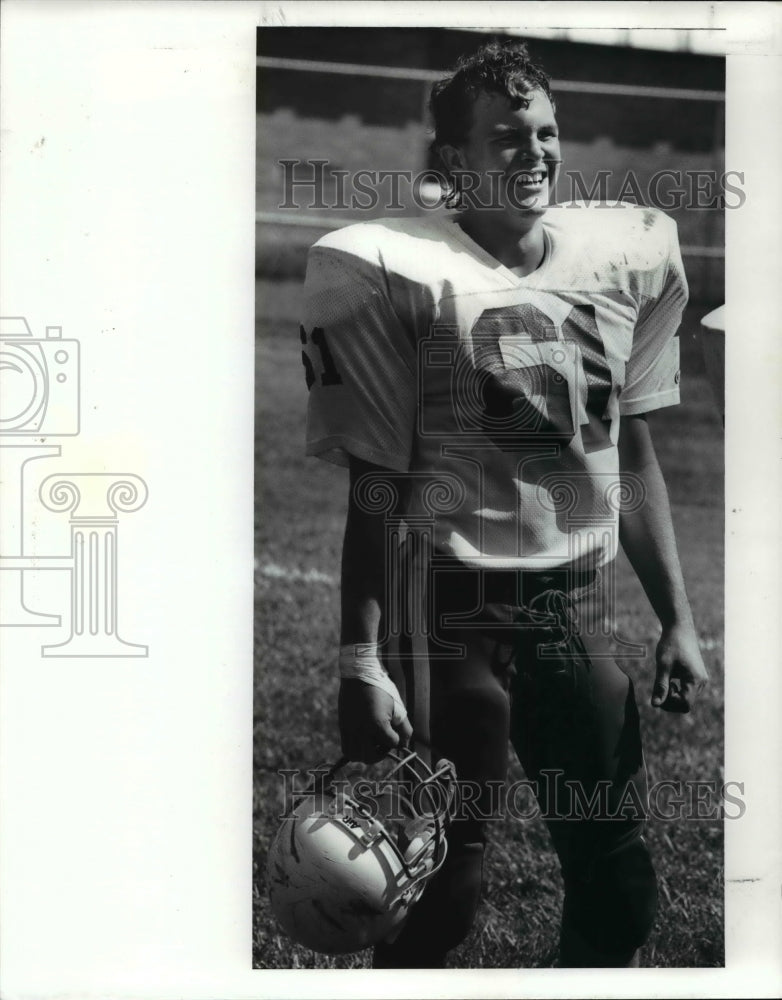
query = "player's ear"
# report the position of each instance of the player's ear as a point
(452, 157)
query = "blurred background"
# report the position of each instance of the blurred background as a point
(356, 98)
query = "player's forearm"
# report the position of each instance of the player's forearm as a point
(363, 566)
(647, 534)
(648, 540)
(363, 578)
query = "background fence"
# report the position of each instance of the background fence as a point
(356, 98)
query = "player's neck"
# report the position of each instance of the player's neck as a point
(521, 250)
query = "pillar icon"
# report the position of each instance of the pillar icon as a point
(94, 502)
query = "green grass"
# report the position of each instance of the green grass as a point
(300, 515)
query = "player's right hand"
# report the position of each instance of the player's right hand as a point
(366, 723)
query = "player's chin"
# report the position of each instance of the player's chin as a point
(525, 205)
(534, 208)
(520, 216)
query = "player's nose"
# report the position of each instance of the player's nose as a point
(529, 154)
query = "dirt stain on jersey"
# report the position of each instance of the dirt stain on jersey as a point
(649, 218)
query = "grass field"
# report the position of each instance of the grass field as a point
(300, 508)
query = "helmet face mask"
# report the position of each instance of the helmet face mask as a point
(356, 851)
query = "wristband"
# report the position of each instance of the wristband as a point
(361, 663)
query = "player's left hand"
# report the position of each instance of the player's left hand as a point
(681, 672)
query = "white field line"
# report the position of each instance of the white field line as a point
(271, 571)
(274, 572)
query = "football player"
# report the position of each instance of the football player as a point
(486, 375)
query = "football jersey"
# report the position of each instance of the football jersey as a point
(499, 395)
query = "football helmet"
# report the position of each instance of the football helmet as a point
(356, 850)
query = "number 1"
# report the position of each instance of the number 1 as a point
(330, 375)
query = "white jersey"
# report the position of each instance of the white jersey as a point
(500, 395)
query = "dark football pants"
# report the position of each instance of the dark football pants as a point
(535, 667)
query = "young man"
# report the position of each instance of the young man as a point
(486, 377)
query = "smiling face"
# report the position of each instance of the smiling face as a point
(513, 155)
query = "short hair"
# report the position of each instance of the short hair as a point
(498, 67)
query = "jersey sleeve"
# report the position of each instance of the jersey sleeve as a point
(652, 372)
(359, 363)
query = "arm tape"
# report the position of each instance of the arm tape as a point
(362, 663)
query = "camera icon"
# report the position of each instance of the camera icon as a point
(39, 381)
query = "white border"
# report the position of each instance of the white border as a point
(125, 788)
